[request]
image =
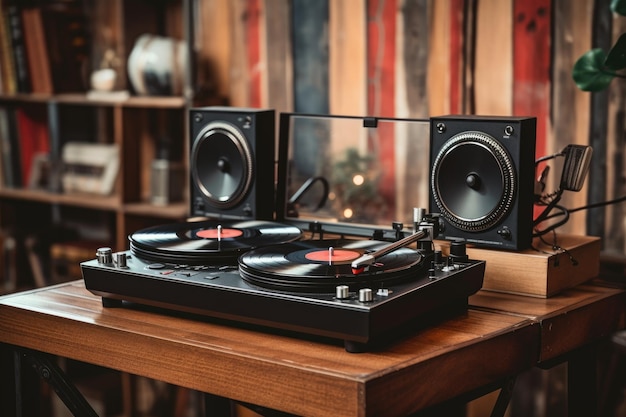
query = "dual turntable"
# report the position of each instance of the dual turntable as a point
(331, 257)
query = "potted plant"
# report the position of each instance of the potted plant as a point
(595, 70)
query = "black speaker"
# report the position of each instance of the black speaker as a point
(482, 175)
(232, 163)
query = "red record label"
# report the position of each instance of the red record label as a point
(219, 234)
(336, 255)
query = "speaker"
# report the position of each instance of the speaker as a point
(482, 175)
(232, 163)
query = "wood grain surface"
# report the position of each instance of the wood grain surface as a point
(299, 375)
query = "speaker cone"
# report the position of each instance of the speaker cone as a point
(473, 181)
(222, 164)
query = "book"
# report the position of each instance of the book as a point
(36, 51)
(20, 59)
(108, 96)
(68, 46)
(5, 148)
(33, 138)
(9, 262)
(35, 260)
(9, 83)
(9, 148)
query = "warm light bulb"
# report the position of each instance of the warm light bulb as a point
(358, 179)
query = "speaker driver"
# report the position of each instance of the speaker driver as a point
(473, 181)
(222, 165)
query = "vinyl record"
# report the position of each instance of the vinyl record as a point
(321, 265)
(206, 242)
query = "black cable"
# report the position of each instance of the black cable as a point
(564, 212)
(544, 214)
(604, 203)
(550, 201)
(556, 247)
(548, 157)
(593, 205)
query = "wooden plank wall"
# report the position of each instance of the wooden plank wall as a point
(417, 58)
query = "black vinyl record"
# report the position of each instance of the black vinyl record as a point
(206, 242)
(321, 265)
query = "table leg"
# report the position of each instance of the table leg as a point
(215, 406)
(582, 382)
(50, 373)
(504, 398)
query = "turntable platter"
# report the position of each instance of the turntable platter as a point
(207, 242)
(321, 265)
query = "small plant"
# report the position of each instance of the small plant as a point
(595, 70)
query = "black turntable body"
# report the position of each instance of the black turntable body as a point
(365, 311)
(361, 277)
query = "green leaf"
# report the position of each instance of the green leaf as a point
(616, 59)
(618, 6)
(589, 73)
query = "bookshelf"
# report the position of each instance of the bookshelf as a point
(37, 213)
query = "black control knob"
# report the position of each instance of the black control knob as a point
(458, 250)
(505, 233)
(438, 258)
(199, 204)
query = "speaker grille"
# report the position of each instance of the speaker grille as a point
(223, 164)
(473, 181)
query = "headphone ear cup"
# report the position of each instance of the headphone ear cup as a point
(482, 179)
(231, 163)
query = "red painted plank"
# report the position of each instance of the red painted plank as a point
(457, 8)
(381, 61)
(254, 38)
(531, 64)
(381, 33)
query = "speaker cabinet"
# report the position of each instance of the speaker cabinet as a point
(482, 174)
(232, 163)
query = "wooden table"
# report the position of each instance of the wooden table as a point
(498, 337)
(569, 323)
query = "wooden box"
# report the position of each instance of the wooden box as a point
(541, 271)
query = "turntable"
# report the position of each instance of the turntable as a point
(331, 264)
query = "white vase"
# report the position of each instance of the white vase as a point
(157, 65)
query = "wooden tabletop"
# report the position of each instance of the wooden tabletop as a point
(568, 320)
(293, 374)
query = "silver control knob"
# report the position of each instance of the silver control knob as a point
(365, 295)
(342, 292)
(104, 256)
(120, 260)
